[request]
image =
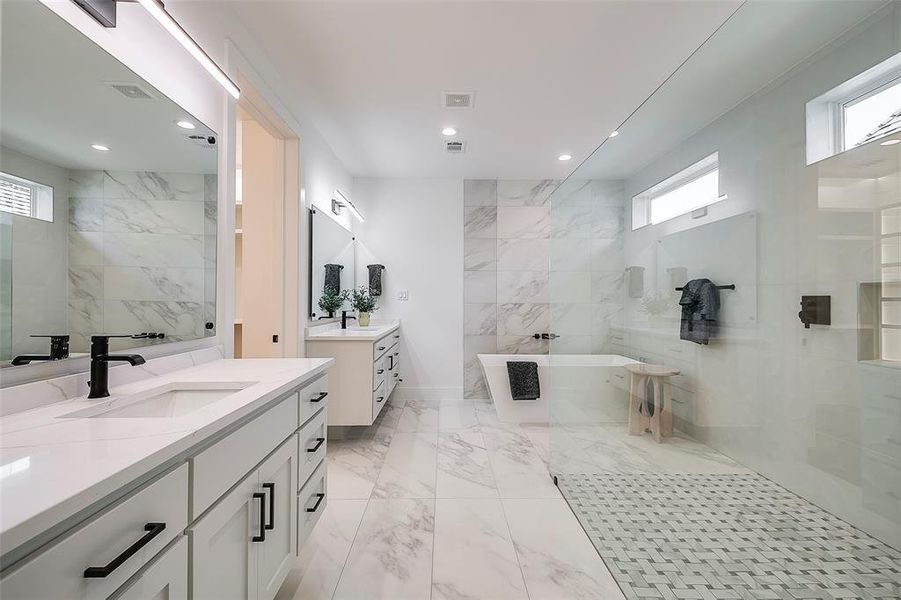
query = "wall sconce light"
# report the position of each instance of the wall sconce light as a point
(104, 12)
(342, 202)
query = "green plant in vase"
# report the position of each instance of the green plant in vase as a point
(363, 302)
(332, 301)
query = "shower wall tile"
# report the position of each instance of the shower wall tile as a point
(149, 185)
(479, 287)
(607, 286)
(522, 255)
(607, 222)
(85, 248)
(479, 319)
(154, 250)
(521, 344)
(480, 192)
(153, 283)
(85, 184)
(479, 222)
(570, 255)
(572, 344)
(86, 214)
(571, 221)
(180, 320)
(516, 222)
(522, 286)
(570, 286)
(152, 216)
(515, 319)
(479, 254)
(525, 192)
(607, 255)
(574, 192)
(86, 283)
(473, 379)
(569, 319)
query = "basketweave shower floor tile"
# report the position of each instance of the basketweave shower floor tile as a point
(722, 536)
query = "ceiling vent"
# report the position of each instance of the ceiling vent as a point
(130, 90)
(456, 147)
(204, 141)
(458, 99)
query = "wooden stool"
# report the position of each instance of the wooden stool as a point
(661, 423)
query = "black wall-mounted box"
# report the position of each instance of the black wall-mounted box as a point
(816, 310)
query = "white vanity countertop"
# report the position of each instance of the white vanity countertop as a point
(51, 468)
(333, 332)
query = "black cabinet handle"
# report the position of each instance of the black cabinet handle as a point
(379, 399)
(152, 529)
(315, 507)
(262, 498)
(397, 337)
(320, 397)
(380, 348)
(380, 371)
(395, 375)
(271, 488)
(319, 442)
(391, 360)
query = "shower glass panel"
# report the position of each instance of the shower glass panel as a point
(758, 336)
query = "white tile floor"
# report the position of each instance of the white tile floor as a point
(440, 501)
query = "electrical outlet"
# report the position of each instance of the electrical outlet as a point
(403, 295)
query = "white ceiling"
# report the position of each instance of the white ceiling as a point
(56, 101)
(549, 77)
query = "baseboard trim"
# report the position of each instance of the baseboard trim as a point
(420, 393)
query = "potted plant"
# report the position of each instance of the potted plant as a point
(363, 303)
(332, 301)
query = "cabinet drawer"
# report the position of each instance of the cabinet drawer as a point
(381, 346)
(379, 371)
(378, 399)
(311, 398)
(165, 577)
(312, 446)
(311, 503)
(59, 571)
(217, 468)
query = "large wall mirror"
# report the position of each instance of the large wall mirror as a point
(108, 196)
(332, 261)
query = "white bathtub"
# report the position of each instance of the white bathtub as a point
(576, 388)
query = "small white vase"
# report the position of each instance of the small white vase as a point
(364, 319)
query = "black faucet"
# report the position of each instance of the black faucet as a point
(344, 319)
(100, 359)
(59, 349)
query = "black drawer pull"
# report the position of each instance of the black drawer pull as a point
(320, 397)
(397, 337)
(262, 498)
(380, 371)
(271, 488)
(380, 348)
(152, 529)
(315, 507)
(319, 442)
(379, 399)
(395, 375)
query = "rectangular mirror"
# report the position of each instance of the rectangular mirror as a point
(332, 256)
(108, 196)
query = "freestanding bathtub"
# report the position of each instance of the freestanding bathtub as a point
(575, 388)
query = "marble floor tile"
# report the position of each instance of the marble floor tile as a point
(354, 466)
(557, 558)
(391, 557)
(418, 415)
(464, 470)
(410, 467)
(474, 555)
(519, 470)
(318, 568)
(456, 416)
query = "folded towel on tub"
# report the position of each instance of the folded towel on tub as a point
(523, 377)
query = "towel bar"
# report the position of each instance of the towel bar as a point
(731, 286)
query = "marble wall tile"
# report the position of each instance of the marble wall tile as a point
(573, 192)
(608, 192)
(153, 250)
(85, 248)
(572, 344)
(473, 379)
(153, 216)
(479, 254)
(521, 344)
(153, 283)
(209, 251)
(525, 192)
(85, 184)
(569, 319)
(522, 255)
(607, 222)
(570, 255)
(570, 286)
(463, 467)
(479, 287)
(518, 222)
(86, 214)
(571, 221)
(177, 319)
(522, 286)
(86, 283)
(480, 192)
(479, 222)
(150, 185)
(607, 286)
(85, 317)
(607, 255)
(479, 319)
(518, 319)
(391, 557)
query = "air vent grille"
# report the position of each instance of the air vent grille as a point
(456, 147)
(132, 91)
(458, 99)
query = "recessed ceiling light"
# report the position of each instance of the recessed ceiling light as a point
(100, 147)
(614, 133)
(890, 142)
(449, 131)
(564, 157)
(185, 124)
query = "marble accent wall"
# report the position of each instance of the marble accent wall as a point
(142, 254)
(538, 261)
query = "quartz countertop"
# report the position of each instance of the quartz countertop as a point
(333, 332)
(52, 468)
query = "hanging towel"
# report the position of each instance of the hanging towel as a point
(700, 305)
(332, 278)
(523, 380)
(375, 279)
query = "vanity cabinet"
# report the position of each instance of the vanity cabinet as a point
(364, 376)
(166, 576)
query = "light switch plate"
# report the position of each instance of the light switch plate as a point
(403, 295)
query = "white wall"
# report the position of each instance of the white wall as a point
(413, 228)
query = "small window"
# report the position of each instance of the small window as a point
(25, 198)
(686, 191)
(872, 115)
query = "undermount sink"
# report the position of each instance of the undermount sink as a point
(167, 401)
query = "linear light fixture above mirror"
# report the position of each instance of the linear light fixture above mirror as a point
(340, 201)
(104, 12)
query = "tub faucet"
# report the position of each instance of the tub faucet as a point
(100, 359)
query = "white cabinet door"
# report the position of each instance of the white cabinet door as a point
(275, 556)
(165, 578)
(223, 550)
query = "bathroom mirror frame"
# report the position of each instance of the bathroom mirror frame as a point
(92, 63)
(322, 226)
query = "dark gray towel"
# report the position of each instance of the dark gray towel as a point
(375, 279)
(700, 306)
(523, 380)
(332, 278)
